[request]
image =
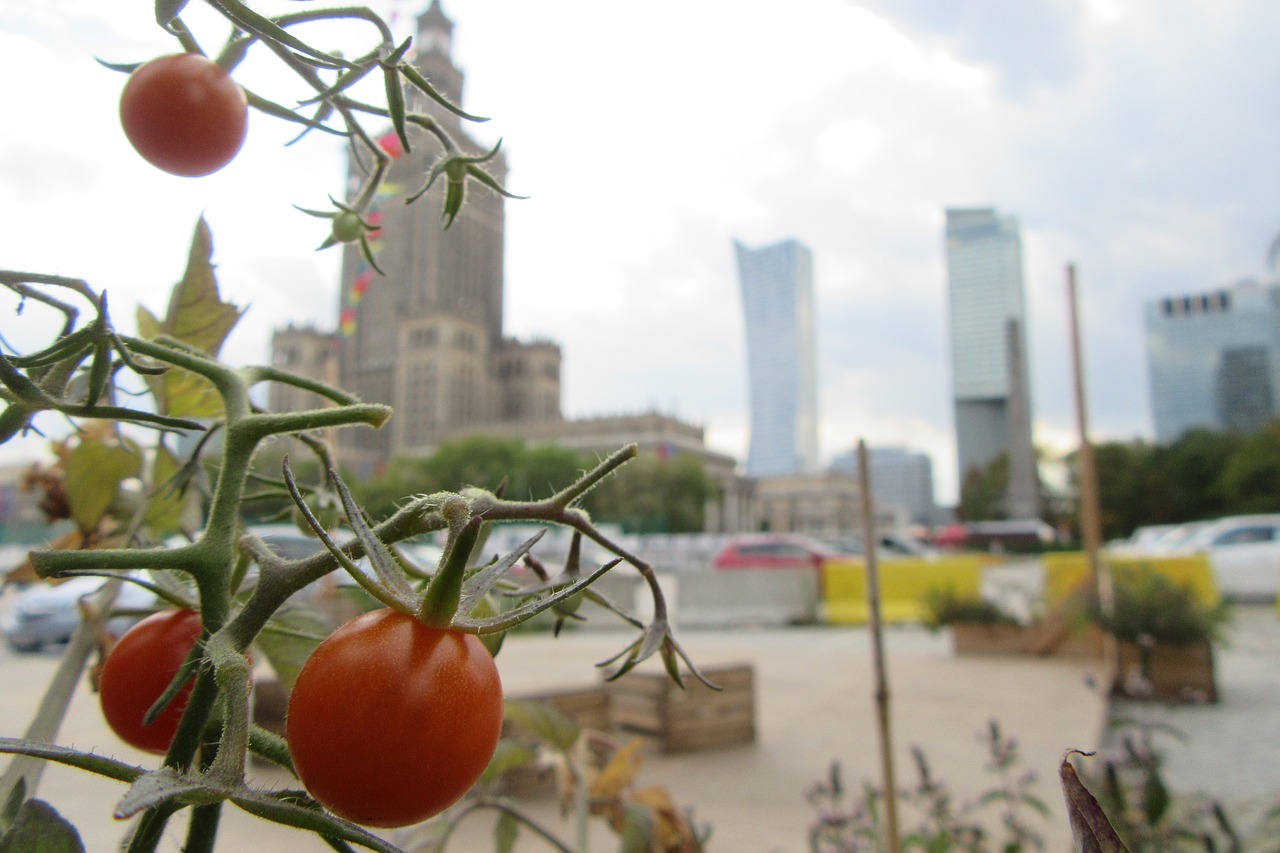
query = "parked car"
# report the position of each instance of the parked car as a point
(775, 551)
(889, 546)
(45, 615)
(1243, 552)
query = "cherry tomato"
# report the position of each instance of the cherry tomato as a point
(347, 227)
(184, 114)
(392, 721)
(138, 671)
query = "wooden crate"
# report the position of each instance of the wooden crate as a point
(1176, 673)
(588, 707)
(679, 720)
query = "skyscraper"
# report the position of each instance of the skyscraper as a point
(777, 300)
(1214, 359)
(988, 351)
(427, 338)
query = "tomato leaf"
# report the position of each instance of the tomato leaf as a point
(94, 473)
(1089, 823)
(542, 721)
(289, 638)
(637, 830)
(509, 755)
(198, 317)
(505, 833)
(168, 501)
(38, 828)
(621, 771)
(13, 801)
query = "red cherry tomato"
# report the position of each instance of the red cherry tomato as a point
(137, 672)
(184, 114)
(391, 721)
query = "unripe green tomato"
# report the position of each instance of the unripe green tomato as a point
(347, 227)
(484, 609)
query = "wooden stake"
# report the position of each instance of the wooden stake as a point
(883, 720)
(1086, 469)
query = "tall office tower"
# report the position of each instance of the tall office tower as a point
(1214, 360)
(427, 337)
(988, 352)
(777, 299)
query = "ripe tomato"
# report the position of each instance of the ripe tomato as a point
(184, 114)
(392, 721)
(137, 672)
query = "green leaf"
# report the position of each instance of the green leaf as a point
(168, 501)
(197, 317)
(505, 833)
(637, 830)
(542, 721)
(13, 802)
(38, 828)
(1155, 797)
(94, 473)
(289, 638)
(508, 756)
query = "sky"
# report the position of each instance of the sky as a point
(1136, 139)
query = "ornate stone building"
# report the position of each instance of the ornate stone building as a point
(427, 337)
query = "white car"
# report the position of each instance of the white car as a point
(1243, 551)
(45, 614)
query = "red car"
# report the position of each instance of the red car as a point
(775, 551)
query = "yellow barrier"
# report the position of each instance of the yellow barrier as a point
(903, 585)
(1065, 573)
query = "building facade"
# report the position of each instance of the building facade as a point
(988, 322)
(901, 479)
(777, 301)
(427, 337)
(1214, 360)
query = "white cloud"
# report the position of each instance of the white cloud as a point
(1135, 139)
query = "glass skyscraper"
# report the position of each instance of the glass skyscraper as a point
(1214, 360)
(777, 300)
(989, 351)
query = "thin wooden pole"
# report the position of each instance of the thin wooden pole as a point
(883, 718)
(1086, 467)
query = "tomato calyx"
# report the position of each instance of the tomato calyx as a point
(347, 225)
(456, 592)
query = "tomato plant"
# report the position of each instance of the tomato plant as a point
(184, 114)
(138, 670)
(391, 721)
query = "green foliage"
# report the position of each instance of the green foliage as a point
(983, 490)
(944, 606)
(1147, 817)
(655, 495)
(477, 461)
(929, 817)
(1149, 607)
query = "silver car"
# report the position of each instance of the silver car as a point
(45, 615)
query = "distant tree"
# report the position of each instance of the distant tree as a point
(1185, 481)
(1124, 473)
(982, 494)
(651, 494)
(1250, 481)
(480, 461)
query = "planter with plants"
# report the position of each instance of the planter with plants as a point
(978, 625)
(1164, 637)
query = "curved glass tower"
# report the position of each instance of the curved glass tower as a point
(777, 300)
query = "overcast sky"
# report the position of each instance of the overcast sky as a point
(1135, 138)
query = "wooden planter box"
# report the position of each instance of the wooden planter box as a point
(1175, 673)
(587, 707)
(969, 638)
(1041, 640)
(652, 706)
